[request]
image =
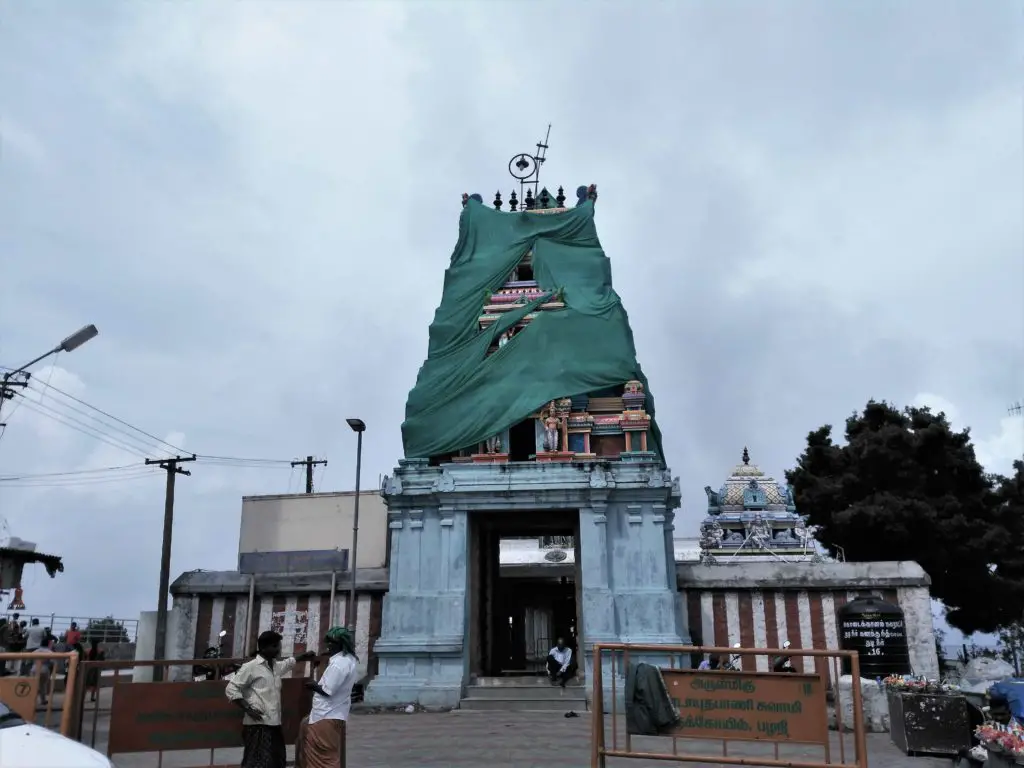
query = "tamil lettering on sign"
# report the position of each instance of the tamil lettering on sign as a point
(291, 624)
(18, 694)
(877, 631)
(755, 706)
(151, 717)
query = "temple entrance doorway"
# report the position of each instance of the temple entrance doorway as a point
(519, 608)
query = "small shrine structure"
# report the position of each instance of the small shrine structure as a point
(13, 558)
(753, 518)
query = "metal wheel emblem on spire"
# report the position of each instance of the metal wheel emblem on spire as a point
(525, 168)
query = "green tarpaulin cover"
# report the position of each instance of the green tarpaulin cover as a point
(462, 395)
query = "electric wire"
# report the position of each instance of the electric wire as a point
(70, 473)
(83, 428)
(113, 431)
(123, 435)
(159, 441)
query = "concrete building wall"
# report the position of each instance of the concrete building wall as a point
(316, 521)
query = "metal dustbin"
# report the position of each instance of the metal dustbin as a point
(929, 724)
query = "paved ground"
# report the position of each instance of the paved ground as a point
(506, 740)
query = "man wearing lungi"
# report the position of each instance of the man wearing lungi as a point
(256, 689)
(322, 738)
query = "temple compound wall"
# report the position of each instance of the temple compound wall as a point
(763, 605)
(755, 604)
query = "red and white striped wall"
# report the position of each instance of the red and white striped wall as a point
(766, 619)
(302, 620)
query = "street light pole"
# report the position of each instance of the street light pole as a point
(358, 427)
(70, 344)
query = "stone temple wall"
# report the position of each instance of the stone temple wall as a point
(765, 604)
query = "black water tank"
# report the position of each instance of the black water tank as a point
(878, 632)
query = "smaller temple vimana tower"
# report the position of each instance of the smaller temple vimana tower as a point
(530, 417)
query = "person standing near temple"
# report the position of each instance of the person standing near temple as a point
(256, 690)
(322, 737)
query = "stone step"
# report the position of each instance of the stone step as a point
(517, 682)
(524, 705)
(526, 692)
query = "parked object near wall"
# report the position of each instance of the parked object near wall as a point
(929, 724)
(875, 705)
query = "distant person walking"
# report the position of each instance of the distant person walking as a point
(256, 690)
(73, 636)
(321, 741)
(34, 640)
(92, 677)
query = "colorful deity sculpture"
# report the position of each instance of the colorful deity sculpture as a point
(551, 424)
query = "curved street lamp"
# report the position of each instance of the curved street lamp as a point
(70, 344)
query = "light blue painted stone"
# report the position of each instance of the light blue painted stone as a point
(629, 591)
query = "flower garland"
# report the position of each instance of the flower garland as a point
(1002, 738)
(910, 684)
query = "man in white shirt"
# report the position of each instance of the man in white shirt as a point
(322, 738)
(561, 667)
(33, 642)
(256, 689)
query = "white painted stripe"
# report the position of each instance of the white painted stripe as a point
(828, 611)
(266, 611)
(288, 627)
(732, 617)
(313, 632)
(241, 625)
(362, 631)
(780, 619)
(760, 627)
(339, 609)
(216, 622)
(707, 618)
(803, 602)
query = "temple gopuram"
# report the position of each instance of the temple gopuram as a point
(753, 518)
(530, 417)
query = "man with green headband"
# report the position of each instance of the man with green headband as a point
(322, 740)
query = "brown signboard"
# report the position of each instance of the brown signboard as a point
(18, 694)
(748, 706)
(150, 717)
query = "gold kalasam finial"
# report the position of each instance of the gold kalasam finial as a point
(746, 455)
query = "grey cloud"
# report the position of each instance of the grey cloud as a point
(257, 208)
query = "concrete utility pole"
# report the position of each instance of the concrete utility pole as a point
(358, 426)
(309, 463)
(170, 466)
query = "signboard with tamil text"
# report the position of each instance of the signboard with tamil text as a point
(152, 717)
(877, 631)
(748, 706)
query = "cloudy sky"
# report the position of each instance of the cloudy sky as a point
(806, 204)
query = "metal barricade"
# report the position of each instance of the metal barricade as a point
(176, 714)
(35, 676)
(766, 718)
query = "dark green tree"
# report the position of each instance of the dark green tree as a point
(105, 630)
(907, 486)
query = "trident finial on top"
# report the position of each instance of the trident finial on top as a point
(526, 168)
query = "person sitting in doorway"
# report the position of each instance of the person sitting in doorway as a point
(561, 665)
(713, 661)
